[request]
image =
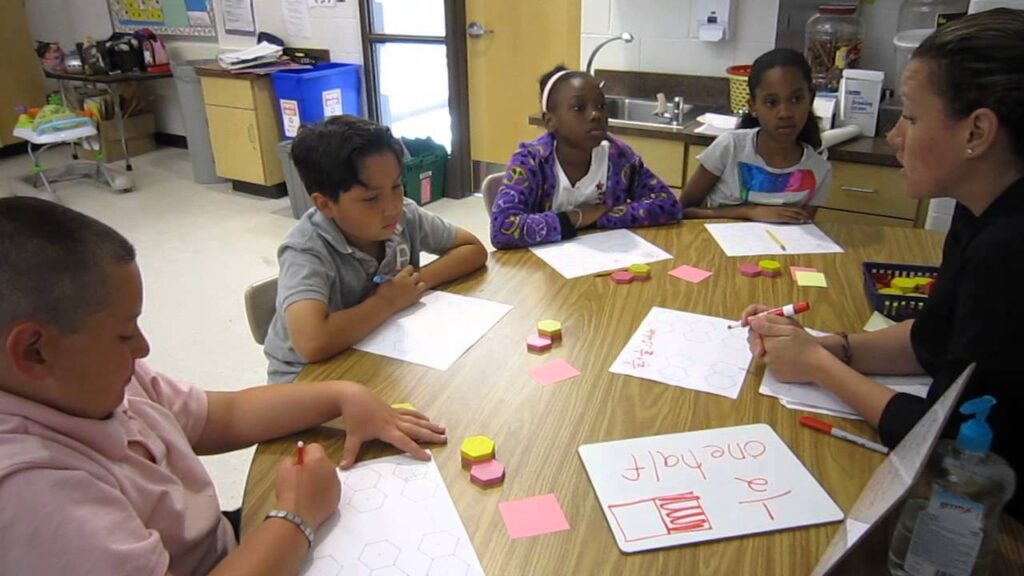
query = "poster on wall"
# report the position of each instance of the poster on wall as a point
(166, 17)
(239, 19)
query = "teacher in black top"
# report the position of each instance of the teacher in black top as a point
(961, 135)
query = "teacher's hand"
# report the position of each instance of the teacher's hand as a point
(789, 351)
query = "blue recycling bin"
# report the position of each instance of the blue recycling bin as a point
(308, 96)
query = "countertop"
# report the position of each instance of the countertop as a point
(863, 150)
(215, 71)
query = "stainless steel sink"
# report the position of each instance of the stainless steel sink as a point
(639, 112)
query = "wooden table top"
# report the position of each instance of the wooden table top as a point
(538, 429)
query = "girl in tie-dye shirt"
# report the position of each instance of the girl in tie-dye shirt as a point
(575, 176)
(770, 169)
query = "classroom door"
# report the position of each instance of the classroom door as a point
(510, 44)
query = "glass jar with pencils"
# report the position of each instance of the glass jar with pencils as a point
(832, 43)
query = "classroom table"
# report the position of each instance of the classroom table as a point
(111, 83)
(538, 429)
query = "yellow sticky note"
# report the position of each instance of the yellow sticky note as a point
(815, 279)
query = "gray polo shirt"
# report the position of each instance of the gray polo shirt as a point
(317, 263)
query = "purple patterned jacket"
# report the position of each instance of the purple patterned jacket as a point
(522, 213)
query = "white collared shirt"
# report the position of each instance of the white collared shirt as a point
(590, 189)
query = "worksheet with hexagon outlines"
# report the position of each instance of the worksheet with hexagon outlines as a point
(687, 350)
(395, 518)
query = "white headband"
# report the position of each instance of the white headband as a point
(547, 89)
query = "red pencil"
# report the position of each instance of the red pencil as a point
(298, 457)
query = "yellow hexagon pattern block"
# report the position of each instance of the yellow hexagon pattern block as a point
(549, 328)
(640, 269)
(477, 448)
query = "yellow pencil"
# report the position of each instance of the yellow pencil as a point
(776, 239)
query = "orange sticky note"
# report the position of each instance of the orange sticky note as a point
(552, 372)
(533, 516)
(794, 269)
(690, 273)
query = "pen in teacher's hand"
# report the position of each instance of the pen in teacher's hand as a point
(825, 427)
(789, 310)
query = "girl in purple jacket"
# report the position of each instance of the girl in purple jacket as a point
(576, 175)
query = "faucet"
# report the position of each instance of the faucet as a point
(673, 114)
(625, 37)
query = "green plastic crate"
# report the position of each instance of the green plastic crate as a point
(423, 173)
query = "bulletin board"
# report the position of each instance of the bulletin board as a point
(166, 17)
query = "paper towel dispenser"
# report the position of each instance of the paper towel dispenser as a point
(714, 20)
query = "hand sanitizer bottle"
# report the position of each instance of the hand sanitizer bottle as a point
(949, 523)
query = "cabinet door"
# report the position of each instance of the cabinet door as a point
(663, 157)
(235, 142)
(692, 151)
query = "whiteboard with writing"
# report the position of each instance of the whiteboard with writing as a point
(662, 491)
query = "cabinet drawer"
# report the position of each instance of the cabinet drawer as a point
(663, 157)
(843, 217)
(870, 189)
(228, 92)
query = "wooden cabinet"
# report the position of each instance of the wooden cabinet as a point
(663, 157)
(867, 193)
(243, 128)
(859, 194)
(692, 151)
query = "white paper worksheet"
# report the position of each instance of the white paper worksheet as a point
(395, 517)
(687, 350)
(753, 239)
(684, 488)
(810, 397)
(435, 331)
(599, 252)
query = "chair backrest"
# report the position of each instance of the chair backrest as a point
(260, 305)
(489, 189)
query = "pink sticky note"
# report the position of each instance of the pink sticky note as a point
(690, 274)
(552, 372)
(533, 516)
(794, 269)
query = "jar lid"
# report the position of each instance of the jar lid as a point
(837, 9)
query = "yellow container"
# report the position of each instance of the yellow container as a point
(739, 93)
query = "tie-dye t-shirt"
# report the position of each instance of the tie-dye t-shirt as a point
(745, 178)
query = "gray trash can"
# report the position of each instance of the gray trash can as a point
(297, 195)
(197, 129)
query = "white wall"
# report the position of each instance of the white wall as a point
(335, 29)
(665, 32)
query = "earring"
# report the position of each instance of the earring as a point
(970, 151)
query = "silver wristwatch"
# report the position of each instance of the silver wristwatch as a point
(294, 519)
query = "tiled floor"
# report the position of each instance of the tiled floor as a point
(199, 247)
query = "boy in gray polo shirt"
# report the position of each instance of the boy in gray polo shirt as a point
(352, 261)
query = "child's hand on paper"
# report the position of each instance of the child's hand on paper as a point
(311, 489)
(367, 417)
(402, 291)
(789, 351)
(777, 214)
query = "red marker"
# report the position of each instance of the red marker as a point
(789, 310)
(822, 426)
(302, 449)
